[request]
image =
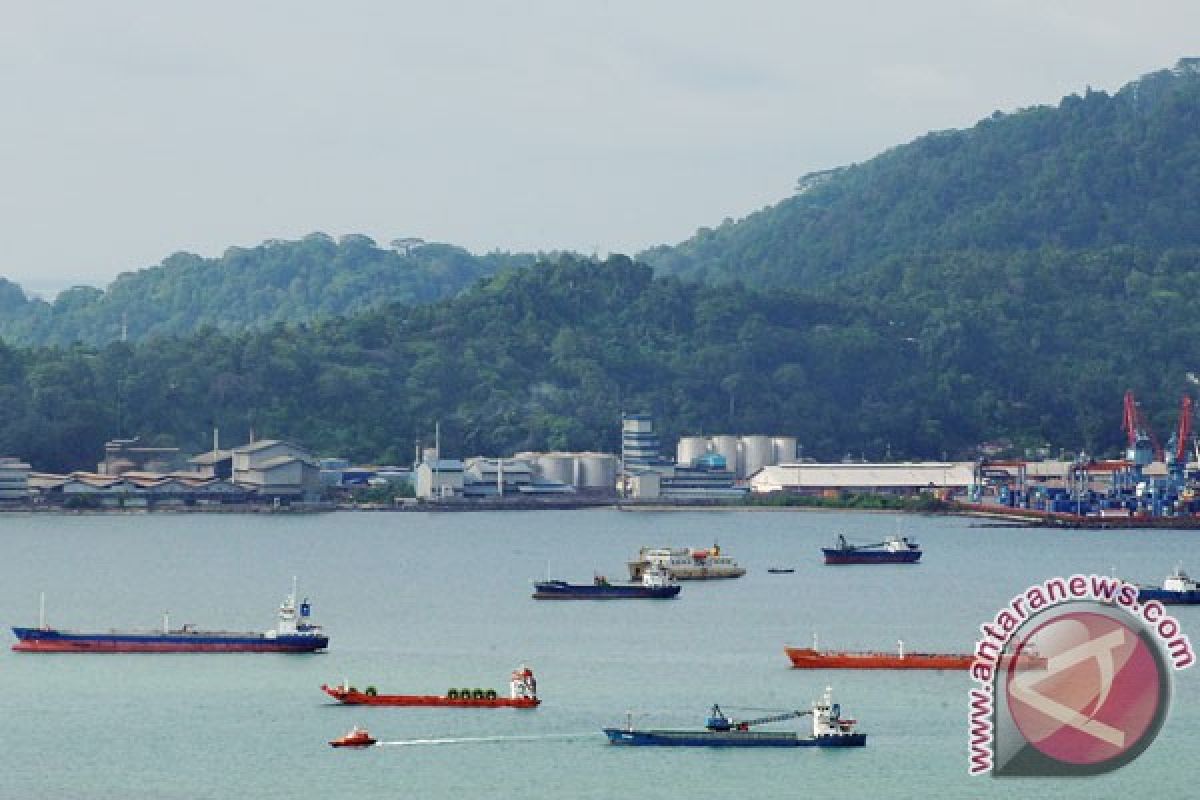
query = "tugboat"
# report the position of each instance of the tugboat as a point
(1177, 589)
(829, 729)
(686, 564)
(356, 737)
(291, 635)
(522, 694)
(892, 550)
(655, 582)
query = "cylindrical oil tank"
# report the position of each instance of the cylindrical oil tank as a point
(757, 452)
(728, 446)
(689, 449)
(557, 467)
(785, 449)
(597, 471)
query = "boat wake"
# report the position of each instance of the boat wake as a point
(483, 739)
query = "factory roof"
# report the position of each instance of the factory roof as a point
(883, 475)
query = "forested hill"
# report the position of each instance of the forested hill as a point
(278, 281)
(549, 356)
(1093, 173)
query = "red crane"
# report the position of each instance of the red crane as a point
(1183, 434)
(1134, 425)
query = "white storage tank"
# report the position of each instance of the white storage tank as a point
(785, 449)
(596, 471)
(689, 449)
(557, 467)
(757, 452)
(729, 447)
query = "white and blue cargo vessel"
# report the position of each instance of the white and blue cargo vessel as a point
(829, 729)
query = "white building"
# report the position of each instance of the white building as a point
(440, 478)
(14, 479)
(272, 467)
(882, 478)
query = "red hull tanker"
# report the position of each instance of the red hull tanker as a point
(811, 658)
(808, 658)
(522, 694)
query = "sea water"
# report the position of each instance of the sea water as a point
(425, 602)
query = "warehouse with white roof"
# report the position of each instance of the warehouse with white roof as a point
(883, 478)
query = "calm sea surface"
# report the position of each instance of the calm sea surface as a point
(424, 602)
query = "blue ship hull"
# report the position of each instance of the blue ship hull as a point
(1190, 597)
(49, 640)
(560, 590)
(706, 738)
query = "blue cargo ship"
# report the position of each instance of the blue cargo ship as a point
(293, 634)
(892, 550)
(1177, 589)
(829, 729)
(655, 583)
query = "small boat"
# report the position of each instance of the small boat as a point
(1177, 589)
(522, 694)
(293, 634)
(685, 563)
(780, 570)
(892, 550)
(813, 658)
(356, 737)
(655, 583)
(829, 729)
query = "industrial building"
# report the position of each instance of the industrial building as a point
(867, 478)
(439, 478)
(124, 455)
(134, 489)
(705, 480)
(14, 479)
(276, 469)
(744, 454)
(639, 441)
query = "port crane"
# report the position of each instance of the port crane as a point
(717, 721)
(1183, 434)
(1143, 446)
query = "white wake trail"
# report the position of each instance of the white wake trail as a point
(481, 739)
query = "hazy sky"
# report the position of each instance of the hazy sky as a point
(133, 130)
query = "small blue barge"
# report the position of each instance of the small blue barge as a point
(655, 582)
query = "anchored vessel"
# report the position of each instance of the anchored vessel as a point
(293, 634)
(655, 582)
(892, 550)
(829, 729)
(685, 563)
(813, 658)
(1177, 588)
(522, 694)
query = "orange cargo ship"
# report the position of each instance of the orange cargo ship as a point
(522, 694)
